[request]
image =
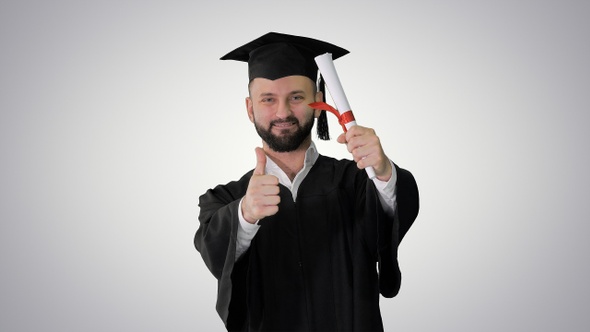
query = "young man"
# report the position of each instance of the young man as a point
(303, 242)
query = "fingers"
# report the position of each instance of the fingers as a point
(262, 196)
(366, 150)
(342, 138)
(360, 141)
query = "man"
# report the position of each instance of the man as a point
(303, 242)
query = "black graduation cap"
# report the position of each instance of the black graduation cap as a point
(275, 55)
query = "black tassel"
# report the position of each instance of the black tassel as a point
(322, 125)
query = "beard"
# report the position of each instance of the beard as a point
(286, 142)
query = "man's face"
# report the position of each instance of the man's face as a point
(280, 112)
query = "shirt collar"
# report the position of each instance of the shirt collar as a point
(311, 156)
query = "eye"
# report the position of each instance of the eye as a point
(267, 100)
(297, 98)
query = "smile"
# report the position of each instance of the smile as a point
(283, 124)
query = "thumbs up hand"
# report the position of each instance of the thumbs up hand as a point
(262, 196)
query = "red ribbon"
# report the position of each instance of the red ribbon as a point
(343, 118)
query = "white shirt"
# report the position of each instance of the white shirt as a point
(247, 231)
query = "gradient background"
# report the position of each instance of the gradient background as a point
(117, 115)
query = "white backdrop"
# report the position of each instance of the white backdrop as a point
(116, 116)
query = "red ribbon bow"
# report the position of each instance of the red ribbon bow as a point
(343, 118)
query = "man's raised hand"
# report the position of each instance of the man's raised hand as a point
(262, 196)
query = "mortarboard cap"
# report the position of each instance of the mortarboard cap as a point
(276, 55)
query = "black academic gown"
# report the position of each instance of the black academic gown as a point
(320, 263)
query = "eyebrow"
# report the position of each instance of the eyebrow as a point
(294, 92)
(266, 94)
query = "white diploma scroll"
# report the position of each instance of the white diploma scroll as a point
(328, 71)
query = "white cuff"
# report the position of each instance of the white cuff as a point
(246, 233)
(386, 190)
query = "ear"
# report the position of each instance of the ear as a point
(319, 96)
(250, 109)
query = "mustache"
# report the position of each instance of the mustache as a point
(289, 119)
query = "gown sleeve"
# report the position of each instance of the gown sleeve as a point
(216, 239)
(390, 231)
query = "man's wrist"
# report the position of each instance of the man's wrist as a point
(244, 220)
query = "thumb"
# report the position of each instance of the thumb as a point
(260, 162)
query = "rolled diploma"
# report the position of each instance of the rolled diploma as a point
(328, 71)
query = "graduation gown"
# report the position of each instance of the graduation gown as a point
(320, 263)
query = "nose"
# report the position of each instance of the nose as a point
(283, 110)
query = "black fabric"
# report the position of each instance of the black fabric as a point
(313, 265)
(322, 126)
(275, 55)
